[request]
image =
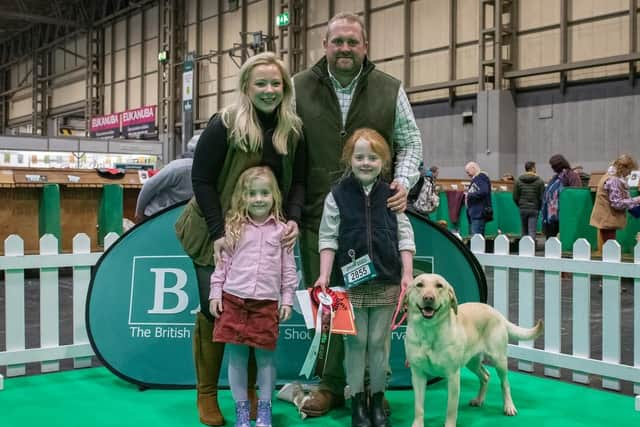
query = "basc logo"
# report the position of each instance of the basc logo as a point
(162, 293)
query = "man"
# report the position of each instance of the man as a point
(527, 194)
(339, 94)
(168, 187)
(478, 198)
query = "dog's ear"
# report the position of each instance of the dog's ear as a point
(452, 298)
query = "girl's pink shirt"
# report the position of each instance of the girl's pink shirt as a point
(259, 268)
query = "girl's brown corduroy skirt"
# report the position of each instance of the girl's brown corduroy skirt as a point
(248, 322)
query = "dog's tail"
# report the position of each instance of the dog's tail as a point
(520, 333)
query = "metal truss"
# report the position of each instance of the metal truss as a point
(45, 23)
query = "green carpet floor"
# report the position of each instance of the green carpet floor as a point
(95, 398)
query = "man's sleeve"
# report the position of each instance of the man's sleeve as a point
(329, 225)
(516, 193)
(408, 143)
(406, 240)
(540, 190)
(480, 188)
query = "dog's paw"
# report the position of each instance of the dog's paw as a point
(417, 423)
(510, 410)
(476, 402)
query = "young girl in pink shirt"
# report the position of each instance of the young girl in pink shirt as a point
(252, 288)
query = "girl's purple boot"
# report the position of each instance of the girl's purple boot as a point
(264, 413)
(242, 413)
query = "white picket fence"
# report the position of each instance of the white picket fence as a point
(551, 265)
(526, 263)
(49, 261)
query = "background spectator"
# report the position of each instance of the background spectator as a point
(478, 198)
(562, 168)
(564, 177)
(584, 177)
(169, 186)
(527, 193)
(613, 200)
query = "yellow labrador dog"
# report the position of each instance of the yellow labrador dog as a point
(442, 337)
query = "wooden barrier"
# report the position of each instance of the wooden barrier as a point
(81, 194)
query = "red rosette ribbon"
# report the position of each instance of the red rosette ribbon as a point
(327, 302)
(325, 299)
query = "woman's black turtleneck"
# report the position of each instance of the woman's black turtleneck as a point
(270, 157)
(209, 159)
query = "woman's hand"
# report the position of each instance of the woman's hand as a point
(215, 307)
(322, 282)
(285, 313)
(219, 245)
(290, 235)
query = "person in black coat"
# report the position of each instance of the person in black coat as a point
(527, 194)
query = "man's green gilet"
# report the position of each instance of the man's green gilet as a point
(373, 106)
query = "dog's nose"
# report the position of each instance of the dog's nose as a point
(428, 298)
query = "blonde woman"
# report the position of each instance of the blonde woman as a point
(613, 200)
(260, 128)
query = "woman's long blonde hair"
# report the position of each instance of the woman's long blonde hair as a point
(241, 118)
(238, 213)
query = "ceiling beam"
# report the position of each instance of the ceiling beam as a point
(39, 19)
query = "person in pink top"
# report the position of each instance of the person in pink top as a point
(252, 288)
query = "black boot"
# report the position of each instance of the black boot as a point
(378, 417)
(359, 413)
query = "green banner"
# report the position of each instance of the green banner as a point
(143, 298)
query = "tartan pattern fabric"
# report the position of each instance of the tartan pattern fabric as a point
(406, 135)
(344, 94)
(374, 295)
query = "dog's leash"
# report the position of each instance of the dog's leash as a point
(395, 325)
